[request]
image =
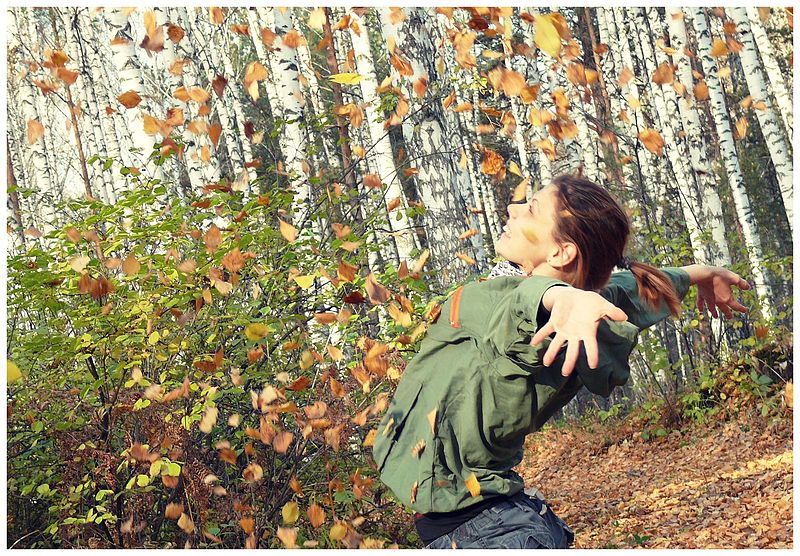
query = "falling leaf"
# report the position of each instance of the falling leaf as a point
(788, 394)
(719, 48)
(216, 15)
(418, 448)
(663, 74)
(130, 266)
(414, 489)
(316, 19)
(208, 420)
(13, 373)
(337, 532)
(625, 76)
(316, 515)
(186, 524)
(547, 147)
(547, 37)
(218, 84)
(701, 91)
(372, 181)
(253, 473)
(233, 260)
(173, 511)
(466, 258)
(130, 99)
(290, 512)
(377, 293)
(473, 485)
(282, 441)
(35, 131)
(741, 128)
(247, 524)
(432, 420)
(212, 239)
(256, 331)
(492, 163)
(288, 231)
(254, 72)
(346, 78)
(79, 263)
(175, 33)
(652, 140)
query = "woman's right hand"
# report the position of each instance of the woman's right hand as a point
(574, 317)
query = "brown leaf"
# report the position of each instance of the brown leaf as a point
(663, 74)
(253, 473)
(701, 91)
(288, 536)
(282, 441)
(233, 260)
(377, 293)
(130, 266)
(316, 515)
(216, 15)
(130, 99)
(174, 510)
(247, 524)
(218, 84)
(175, 33)
(35, 131)
(212, 239)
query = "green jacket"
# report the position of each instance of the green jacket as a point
(477, 387)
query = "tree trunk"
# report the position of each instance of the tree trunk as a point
(776, 143)
(379, 151)
(782, 96)
(719, 253)
(729, 158)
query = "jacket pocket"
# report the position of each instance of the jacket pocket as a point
(392, 424)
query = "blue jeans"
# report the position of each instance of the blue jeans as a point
(519, 522)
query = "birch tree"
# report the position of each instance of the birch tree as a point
(778, 148)
(729, 159)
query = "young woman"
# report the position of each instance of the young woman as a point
(489, 372)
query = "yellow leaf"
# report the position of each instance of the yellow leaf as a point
(256, 331)
(473, 485)
(288, 231)
(788, 394)
(13, 373)
(719, 48)
(338, 532)
(79, 263)
(304, 282)
(153, 338)
(316, 19)
(346, 78)
(741, 128)
(652, 141)
(290, 512)
(186, 524)
(547, 37)
(513, 167)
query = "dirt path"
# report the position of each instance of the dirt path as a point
(724, 487)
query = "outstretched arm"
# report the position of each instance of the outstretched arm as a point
(715, 288)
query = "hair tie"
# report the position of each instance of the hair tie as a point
(625, 263)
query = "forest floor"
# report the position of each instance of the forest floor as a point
(721, 485)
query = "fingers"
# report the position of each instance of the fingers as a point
(617, 314)
(542, 333)
(553, 349)
(726, 311)
(744, 284)
(737, 306)
(592, 357)
(573, 350)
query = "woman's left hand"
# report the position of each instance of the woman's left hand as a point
(715, 289)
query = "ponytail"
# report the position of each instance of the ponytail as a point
(655, 287)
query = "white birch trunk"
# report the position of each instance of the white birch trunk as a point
(428, 146)
(729, 158)
(719, 254)
(34, 157)
(380, 155)
(100, 85)
(773, 136)
(674, 148)
(782, 96)
(288, 88)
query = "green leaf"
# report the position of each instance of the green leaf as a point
(173, 469)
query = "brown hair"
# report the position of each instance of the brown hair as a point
(588, 216)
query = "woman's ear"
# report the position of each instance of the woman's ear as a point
(563, 257)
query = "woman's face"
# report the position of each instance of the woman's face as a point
(527, 237)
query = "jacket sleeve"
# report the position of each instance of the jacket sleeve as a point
(516, 318)
(623, 291)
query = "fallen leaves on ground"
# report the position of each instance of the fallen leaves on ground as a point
(729, 486)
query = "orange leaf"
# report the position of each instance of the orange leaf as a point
(652, 141)
(492, 163)
(282, 441)
(316, 515)
(214, 132)
(701, 91)
(67, 76)
(233, 260)
(466, 258)
(741, 128)
(663, 74)
(217, 15)
(719, 48)
(293, 39)
(372, 181)
(175, 33)
(547, 147)
(35, 131)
